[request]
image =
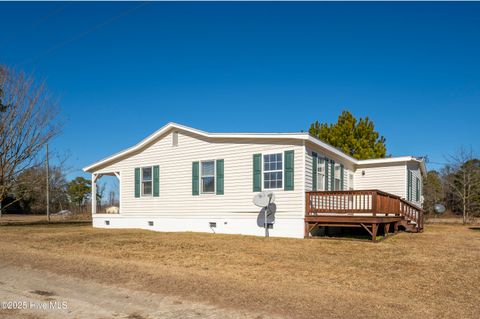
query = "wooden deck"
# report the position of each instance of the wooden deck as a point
(369, 209)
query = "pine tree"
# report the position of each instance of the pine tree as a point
(357, 138)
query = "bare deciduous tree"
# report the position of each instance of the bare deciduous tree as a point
(462, 180)
(28, 120)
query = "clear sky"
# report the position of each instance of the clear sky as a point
(123, 70)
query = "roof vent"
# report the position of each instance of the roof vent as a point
(175, 139)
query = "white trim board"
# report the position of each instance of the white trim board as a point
(295, 136)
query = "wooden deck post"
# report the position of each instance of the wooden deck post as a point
(395, 227)
(374, 203)
(374, 232)
(307, 232)
(386, 229)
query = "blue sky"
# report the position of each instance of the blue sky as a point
(122, 70)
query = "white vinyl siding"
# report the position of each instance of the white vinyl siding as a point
(176, 178)
(390, 178)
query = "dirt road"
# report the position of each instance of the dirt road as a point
(47, 295)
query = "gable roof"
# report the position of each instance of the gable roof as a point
(295, 136)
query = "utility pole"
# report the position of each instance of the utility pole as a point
(48, 185)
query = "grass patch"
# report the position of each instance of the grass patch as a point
(414, 275)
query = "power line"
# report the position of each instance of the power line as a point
(84, 33)
(35, 24)
(50, 15)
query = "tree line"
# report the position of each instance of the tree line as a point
(29, 119)
(456, 185)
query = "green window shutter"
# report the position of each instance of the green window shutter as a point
(417, 189)
(137, 182)
(257, 172)
(220, 177)
(289, 170)
(342, 170)
(156, 181)
(409, 185)
(332, 173)
(326, 161)
(314, 170)
(195, 178)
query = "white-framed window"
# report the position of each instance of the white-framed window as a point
(273, 171)
(321, 173)
(337, 176)
(147, 181)
(207, 176)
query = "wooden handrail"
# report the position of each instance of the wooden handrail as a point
(354, 202)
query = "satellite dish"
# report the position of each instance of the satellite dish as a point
(439, 209)
(264, 199)
(272, 209)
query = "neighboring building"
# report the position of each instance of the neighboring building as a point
(184, 179)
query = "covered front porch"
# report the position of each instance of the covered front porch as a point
(113, 206)
(366, 209)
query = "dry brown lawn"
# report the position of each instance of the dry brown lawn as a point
(434, 274)
(21, 219)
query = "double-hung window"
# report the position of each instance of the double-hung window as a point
(272, 171)
(321, 174)
(147, 181)
(208, 177)
(338, 179)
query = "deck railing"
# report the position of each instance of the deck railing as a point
(361, 202)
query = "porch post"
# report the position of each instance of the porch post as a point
(119, 191)
(94, 194)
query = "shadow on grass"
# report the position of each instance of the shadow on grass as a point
(346, 233)
(475, 228)
(45, 223)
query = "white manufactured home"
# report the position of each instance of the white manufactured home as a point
(183, 179)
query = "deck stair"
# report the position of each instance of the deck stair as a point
(363, 208)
